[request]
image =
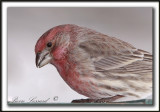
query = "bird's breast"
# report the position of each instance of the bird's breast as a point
(69, 74)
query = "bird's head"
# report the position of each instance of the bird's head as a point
(52, 45)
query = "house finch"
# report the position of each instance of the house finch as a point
(96, 65)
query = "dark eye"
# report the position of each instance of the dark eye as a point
(49, 44)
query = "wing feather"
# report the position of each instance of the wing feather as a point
(116, 55)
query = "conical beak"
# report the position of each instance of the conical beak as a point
(43, 58)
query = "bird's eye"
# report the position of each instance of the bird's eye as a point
(49, 44)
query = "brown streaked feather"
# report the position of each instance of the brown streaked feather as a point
(115, 89)
(132, 94)
(112, 53)
(115, 62)
(116, 56)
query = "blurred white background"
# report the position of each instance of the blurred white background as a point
(26, 25)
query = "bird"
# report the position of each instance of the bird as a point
(98, 66)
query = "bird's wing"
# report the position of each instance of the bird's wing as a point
(111, 53)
